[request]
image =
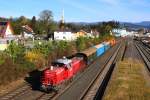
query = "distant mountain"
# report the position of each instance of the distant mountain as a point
(144, 23)
(84, 23)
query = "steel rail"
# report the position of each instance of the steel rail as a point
(97, 86)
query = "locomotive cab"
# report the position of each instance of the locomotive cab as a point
(56, 74)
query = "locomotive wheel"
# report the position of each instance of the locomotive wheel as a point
(66, 82)
(56, 89)
(71, 80)
(43, 88)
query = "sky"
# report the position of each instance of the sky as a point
(80, 10)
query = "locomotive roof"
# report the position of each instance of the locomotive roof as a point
(64, 61)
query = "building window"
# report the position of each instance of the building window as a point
(64, 37)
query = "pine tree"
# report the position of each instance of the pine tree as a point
(33, 23)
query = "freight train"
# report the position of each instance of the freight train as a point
(66, 68)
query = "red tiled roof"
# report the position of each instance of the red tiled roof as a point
(27, 28)
(3, 27)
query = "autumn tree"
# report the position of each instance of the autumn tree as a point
(106, 27)
(18, 23)
(46, 18)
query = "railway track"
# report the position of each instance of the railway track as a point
(97, 87)
(81, 86)
(26, 93)
(45, 96)
(12, 94)
(145, 53)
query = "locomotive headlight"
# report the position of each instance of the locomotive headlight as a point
(52, 67)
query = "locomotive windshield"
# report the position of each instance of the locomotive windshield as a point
(57, 64)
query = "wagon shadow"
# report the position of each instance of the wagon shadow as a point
(33, 79)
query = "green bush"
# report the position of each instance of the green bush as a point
(16, 52)
(2, 58)
(44, 47)
(80, 43)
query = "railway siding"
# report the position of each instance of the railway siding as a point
(130, 79)
(127, 82)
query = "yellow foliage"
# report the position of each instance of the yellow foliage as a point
(35, 57)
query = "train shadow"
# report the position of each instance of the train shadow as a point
(33, 79)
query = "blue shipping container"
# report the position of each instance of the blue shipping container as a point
(99, 49)
(106, 45)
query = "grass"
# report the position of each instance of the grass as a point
(128, 82)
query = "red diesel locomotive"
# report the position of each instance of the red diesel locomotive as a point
(61, 70)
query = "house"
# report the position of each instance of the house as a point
(91, 34)
(146, 34)
(120, 32)
(6, 30)
(3, 44)
(64, 35)
(6, 34)
(27, 31)
(95, 33)
(81, 33)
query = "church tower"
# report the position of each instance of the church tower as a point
(62, 22)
